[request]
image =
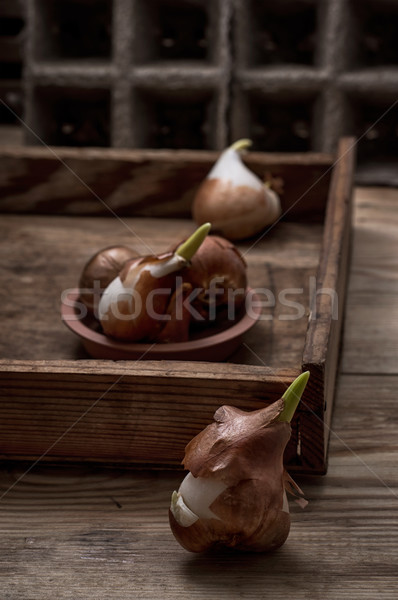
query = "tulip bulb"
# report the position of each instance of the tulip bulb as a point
(235, 492)
(134, 306)
(234, 199)
(99, 271)
(218, 273)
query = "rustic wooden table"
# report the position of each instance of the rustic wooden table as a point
(74, 533)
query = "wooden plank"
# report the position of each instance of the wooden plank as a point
(372, 308)
(364, 422)
(321, 352)
(143, 183)
(130, 412)
(94, 533)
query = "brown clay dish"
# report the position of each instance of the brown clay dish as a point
(212, 344)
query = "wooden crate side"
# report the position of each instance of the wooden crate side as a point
(139, 414)
(143, 183)
(322, 346)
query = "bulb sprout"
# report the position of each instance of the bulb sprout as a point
(188, 248)
(292, 397)
(242, 144)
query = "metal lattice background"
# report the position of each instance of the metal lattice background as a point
(12, 35)
(293, 75)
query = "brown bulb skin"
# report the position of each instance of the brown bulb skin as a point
(144, 325)
(206, 534)
(100, 270)
(218, 261)
(236, 212)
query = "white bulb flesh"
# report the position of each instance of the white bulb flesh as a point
(195, 496)
(182, 514)
(230, 167)
(112, 293)
(199, 494)
(163, 268)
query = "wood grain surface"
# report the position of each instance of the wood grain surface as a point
(144, 182)
(85, 533)
(42, 256)
(372, 307)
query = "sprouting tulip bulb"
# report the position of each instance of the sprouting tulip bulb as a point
(234, 198)
(292, 397)
(125, 306)
(188, 248)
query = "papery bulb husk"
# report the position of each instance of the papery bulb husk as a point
(234, 199)
(245, 452)
(134, 324)
(218, 262)
(100, 270)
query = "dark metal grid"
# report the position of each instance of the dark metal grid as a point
(295, 75)
(168, 87)
(12, 29)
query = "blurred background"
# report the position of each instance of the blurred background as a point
(292, 75)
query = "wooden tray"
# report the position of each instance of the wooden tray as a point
(61, 205)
